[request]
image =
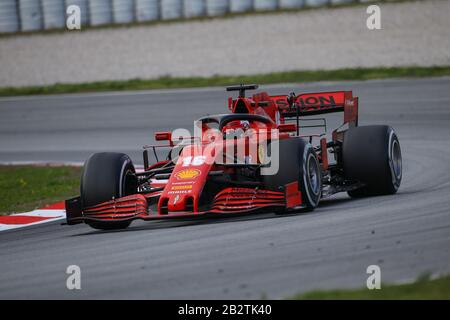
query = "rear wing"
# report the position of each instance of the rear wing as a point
(308, 104)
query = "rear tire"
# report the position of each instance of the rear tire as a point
(105, 176)
(297, 161)
(372, 155)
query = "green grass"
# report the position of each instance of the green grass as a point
(422, 289)
(24, 188)
(269, 78)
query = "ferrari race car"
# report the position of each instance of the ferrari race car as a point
(257, 158)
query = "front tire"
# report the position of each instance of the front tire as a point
(297, 162)
(372, 155)
(105, 176)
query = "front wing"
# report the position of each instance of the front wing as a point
(229, 201)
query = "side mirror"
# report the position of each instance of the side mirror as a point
(163, 136)
(287, 127)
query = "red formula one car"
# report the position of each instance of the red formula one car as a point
(257, 158)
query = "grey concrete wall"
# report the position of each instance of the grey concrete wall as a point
(413, 33)
(32, 15)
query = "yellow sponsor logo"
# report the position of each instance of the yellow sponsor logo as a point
(182, 187)
(187, 174)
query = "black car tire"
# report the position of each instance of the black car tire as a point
(107, 175)
(297, 161)
(372, 156)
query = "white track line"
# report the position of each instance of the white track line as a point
(50, 215)
(13, 221)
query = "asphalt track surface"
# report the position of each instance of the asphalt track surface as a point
(247, 257)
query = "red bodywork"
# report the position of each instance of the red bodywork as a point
(181, 193)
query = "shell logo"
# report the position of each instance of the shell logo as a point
(187, 174)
